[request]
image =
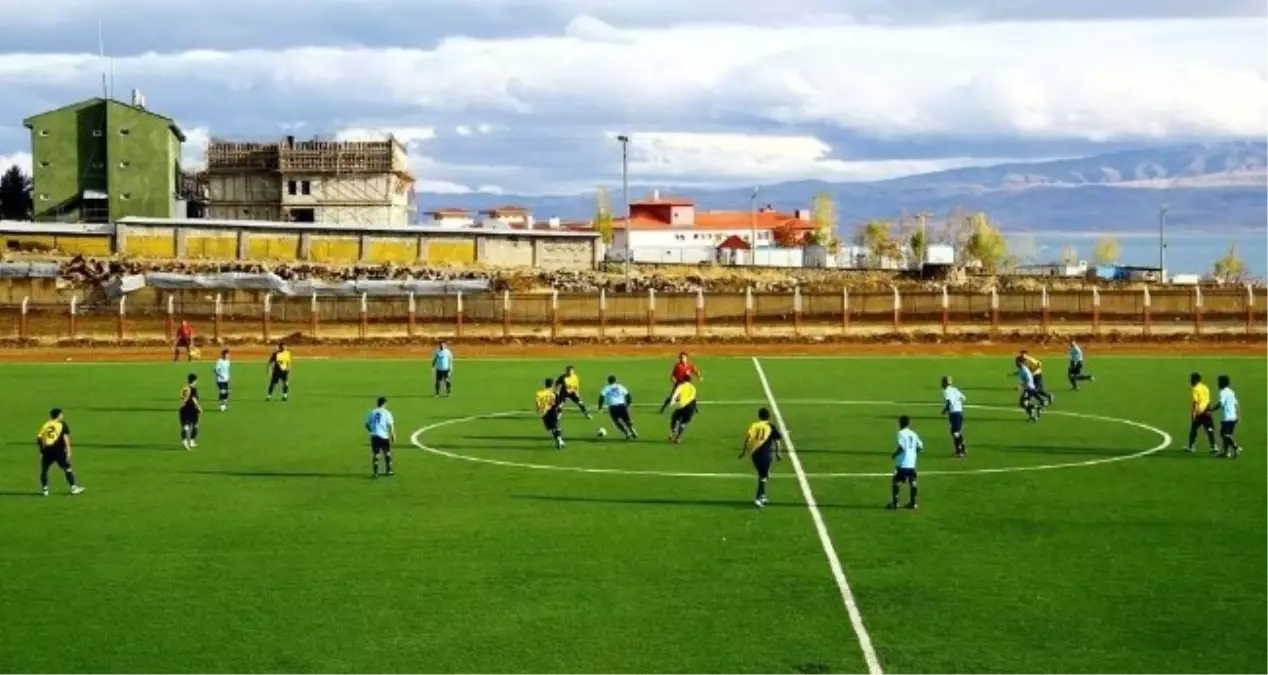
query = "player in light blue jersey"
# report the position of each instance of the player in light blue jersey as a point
(953, 407)
(909, 446)
(442, 364)
(382, 428)
(221, 371)
(618, 400)
(1075, 372)
(1031, 401)
(1229, 409)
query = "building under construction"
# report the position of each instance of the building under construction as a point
(347, 183)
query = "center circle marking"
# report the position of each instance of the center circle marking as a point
(416, 439)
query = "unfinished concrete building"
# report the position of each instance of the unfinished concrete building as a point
(347, 183)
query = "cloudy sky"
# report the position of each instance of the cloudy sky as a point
(527, 96)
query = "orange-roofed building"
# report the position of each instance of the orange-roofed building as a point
(508, 215)
(450, 218)
(670, 229)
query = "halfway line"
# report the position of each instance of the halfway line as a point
(838, 573)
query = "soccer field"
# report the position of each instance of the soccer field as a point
(1089, 542)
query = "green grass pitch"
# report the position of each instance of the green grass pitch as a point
(269, 548)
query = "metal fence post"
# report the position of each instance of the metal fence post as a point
(169, 321)
(268, 317)
(410, 316)
(314, 314)
(1046, 312)
(994, 310)
(22, 321)
(506, 314)
(845, 309)
(797, 309)
(1147, 328)
(748, 311)
(1250, 309)
(215, 321)
(651, 312)
(898, 308)
(603, 313)
(363, 327)
(1197, 310)
(1096, 311)
(946, 309)
(699, 312)
(74, 303)
(554, 313)
(459, 316)
(123, 304)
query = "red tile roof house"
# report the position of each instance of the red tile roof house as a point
(670, 229)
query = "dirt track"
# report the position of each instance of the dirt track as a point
(1252, 347)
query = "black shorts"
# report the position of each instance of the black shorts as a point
(280, 375)
(572, 396)
(620, 414)
(442, 376)
(551, 420)
(956, 420)
(1027, 395)
(1227, 427)
(762, 460)
(684, 415)
(380, 445)
(189, 416)
(54, 455)
(905, 476)
(1038, 382)
(1203, 421)
(1076, 368)
(223, 387)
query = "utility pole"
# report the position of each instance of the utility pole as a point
(624, 140)
(1162, 243)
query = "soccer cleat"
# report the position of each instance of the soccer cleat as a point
(912, 506)
(389, 474)
(892, 506)
(77, 489)
(223, 407)
(185, 444)
(764, 500)
(193, 444)
(1189, 449)
(44, 492)
(759, 503)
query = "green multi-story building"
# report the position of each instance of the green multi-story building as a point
(101, 160)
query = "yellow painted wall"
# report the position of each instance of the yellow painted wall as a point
(382, 250)
(150, 245)
(334, 249)
(88, 244)
(451, 252)
(272, 247)
(30, 241)
(211, 247)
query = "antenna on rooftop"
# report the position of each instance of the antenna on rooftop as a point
(101, 51)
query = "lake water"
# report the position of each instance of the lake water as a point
(1187, 252)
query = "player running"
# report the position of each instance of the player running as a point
(569, 385)
(1031, 401)
(683, 401)
(442, 364)
(1075, 372)
(953, 407)
(762, 441)
(382, 428)
(221, 371)
(547, 402)
(618, 401)
(909, 446)
(53, 440)
(1036, 369)
(191, 412)
(1229, 409)
(683, 370)
(1200, 413)
(184, 339)
(279, 367)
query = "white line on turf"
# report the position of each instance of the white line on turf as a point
(416, 438)
(838, 573)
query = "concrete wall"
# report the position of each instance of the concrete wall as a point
(99, 245)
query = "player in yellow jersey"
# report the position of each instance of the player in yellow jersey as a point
(761, 441)
(1036, 369)
(280, 372)
(53, 440)
(683, 401)
(191, 412)
(1200, 412)
(547, 402)
(569, 389)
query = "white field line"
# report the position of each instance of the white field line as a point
(838, 573)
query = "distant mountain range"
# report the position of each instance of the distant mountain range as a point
(1218, 185)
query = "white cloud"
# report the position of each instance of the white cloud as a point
(462, 130)
(442, 187)
(194, 149)
(21, 159)
(702, 158)
(406, 135)
(1113, 80)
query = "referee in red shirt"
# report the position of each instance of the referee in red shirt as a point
(683, 370)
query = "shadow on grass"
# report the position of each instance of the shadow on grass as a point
(31, 493)
(175, 446)
(1101, 451)
(131, 409)
(738, 503)
(279, 474)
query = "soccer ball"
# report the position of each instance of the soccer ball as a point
(195, 353)
(602, 432)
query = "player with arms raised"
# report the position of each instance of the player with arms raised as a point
(683, 370)
(953, 407)
(382, 428)
(279, 367)
(618, 401)
(53, 440)
(1200, 413)
(547, 402)
(909, 446)
(761, 442)
(1229, 410)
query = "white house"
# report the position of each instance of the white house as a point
(670, 230)
(450, 218)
